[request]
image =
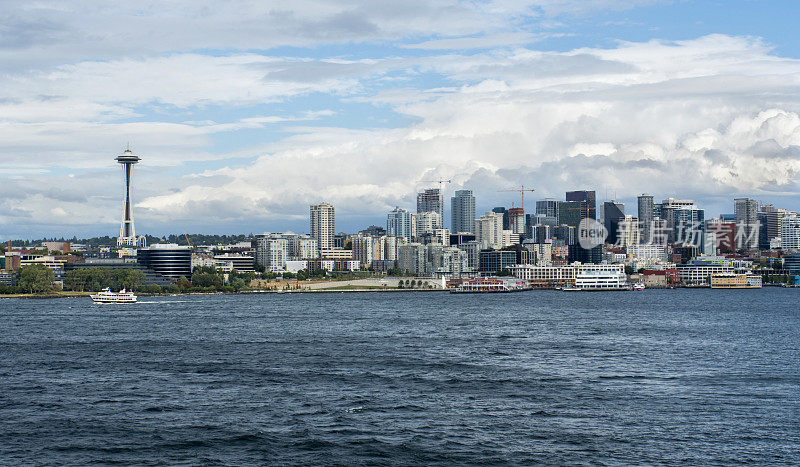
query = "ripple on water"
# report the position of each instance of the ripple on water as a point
(538, 377)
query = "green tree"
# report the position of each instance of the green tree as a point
(37, 279)
(184, 284)
(130, 279)
(205, 279)
(237, 283)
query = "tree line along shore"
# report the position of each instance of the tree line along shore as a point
(38, 280)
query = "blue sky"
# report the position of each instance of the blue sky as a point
(246, 112)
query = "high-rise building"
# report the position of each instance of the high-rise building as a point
(627, 231)
(323, 224)
(586, 208)
(272, 252)
(127, 232)
(772, 227)
(489, 230)
(646, 216)
(516, 220)
(411, 258)
(570, 213)
(504, 212)
(612, 214)
(369, 250)
(763, 233)
(427, 223)
(400, 223)
(431, 200)
(302, 247)
(747, 225)
(677, 224)
(724, 234)
(462, 212)
(540, 233)
(687, 225)
(548, 207)
(587, 200)
(790, 232)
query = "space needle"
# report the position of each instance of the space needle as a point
(127, 233)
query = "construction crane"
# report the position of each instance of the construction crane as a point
(441, 183)
(521, 190)
(187, 239)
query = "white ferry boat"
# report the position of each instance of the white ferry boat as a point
(599, 281)
(491, 285)
(107, 296)
(638, 286)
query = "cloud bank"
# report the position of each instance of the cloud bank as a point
(241, 138)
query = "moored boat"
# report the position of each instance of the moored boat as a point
(491, 285)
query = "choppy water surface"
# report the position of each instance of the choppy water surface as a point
(682, 376)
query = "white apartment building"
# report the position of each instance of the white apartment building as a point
(336, 253)
(392, 245)
(510, 238)
(542, 253)
(443, 236)
(210, 261)
(49, 262)
(322, 224)
(628, 232)
(790, 231)
(272, 252)
(489, 230)
(302, 247)
(648, 253)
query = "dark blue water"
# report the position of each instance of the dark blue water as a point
(681, 376)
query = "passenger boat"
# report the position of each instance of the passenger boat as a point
(638, 286)
(107, 296)
(491, 285)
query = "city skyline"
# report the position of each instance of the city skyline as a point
(428, 201)
(241, 127)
